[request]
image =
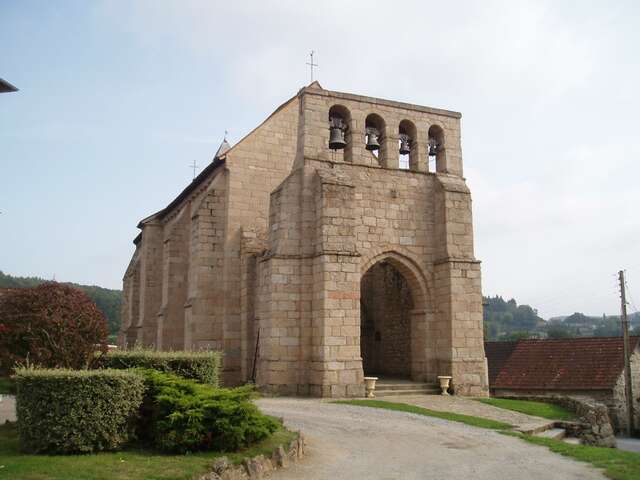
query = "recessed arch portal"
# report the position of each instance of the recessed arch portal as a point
(392, 317)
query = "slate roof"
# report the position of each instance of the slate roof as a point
(6, 87)
(586, 363)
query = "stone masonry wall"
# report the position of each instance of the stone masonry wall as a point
(150, 282)
(171, 318)
(618, 402)
(256, 166)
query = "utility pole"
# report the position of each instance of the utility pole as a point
(628, 391)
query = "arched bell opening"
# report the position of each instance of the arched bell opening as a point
(374, 135)
(340, 133)
(407, 133)
(436, 150)
(386, 306)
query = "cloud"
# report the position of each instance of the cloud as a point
(547, 91)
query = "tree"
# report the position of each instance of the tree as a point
(51, 325)
(579, 319)
(558, 331)
(517, 336)
(108, 301)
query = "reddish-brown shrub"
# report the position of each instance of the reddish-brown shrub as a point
(52, 325)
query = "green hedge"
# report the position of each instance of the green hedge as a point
(203, 366)
(181, 415)
(76, 411)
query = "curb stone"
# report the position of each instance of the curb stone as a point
(255, 468)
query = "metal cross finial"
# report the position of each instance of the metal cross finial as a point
(311, 64)
(194, 166)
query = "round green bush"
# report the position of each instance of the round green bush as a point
(77, 411)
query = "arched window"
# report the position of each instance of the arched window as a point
(374, 134)
(406, 145)
(339, 132)
(436, 149)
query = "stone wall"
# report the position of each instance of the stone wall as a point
(618, 403)
(594, 425)
(260, 466)
(603, 397)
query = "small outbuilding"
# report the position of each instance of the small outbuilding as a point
(590, 367)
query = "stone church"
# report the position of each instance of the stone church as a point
(334, 241)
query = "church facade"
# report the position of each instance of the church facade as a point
(334, 241)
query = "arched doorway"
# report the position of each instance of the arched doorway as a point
(386, 306)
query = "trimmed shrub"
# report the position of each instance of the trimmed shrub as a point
(77, 411)
(203, 366)
(52, 325)
(180, 415)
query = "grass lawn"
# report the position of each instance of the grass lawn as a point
(454, 417)
(129, 464)
(7, 386)
(537, 409)
(617, 464)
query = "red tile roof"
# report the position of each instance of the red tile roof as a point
(586, 363)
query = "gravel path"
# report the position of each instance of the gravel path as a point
(346, 442)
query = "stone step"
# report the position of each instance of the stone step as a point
(404, 386)
(553, 433)
(535, 428)
(417, 391)
(572, 440)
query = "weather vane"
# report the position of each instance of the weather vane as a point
(311, 64)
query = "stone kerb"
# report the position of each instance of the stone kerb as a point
(258, 467)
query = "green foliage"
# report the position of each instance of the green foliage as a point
(514, 336)
(617, 464)
(128, 464)
(109, 301)
(7, 386)
(203, 366)
(182, 415)
(559, 331)
(505, 318)
(51, 325)
(537, 409)
(454, 417)
(76, 411)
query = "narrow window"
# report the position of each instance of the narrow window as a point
(436, 150)
(406, 146)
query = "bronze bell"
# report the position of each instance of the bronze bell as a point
(405, 144)
(336, 138)
(372, 139)
(434, 147)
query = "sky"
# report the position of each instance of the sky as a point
(118, 98)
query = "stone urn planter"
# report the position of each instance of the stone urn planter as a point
(445, 381)
(370, 386)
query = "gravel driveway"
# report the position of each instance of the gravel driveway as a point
(346, 442)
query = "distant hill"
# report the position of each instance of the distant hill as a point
(506, 320)
(108, 301)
